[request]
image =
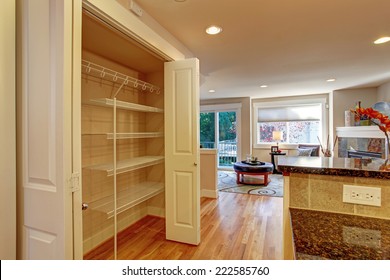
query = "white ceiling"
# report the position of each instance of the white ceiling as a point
(293, 46)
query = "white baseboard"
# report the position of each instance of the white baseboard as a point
(209, 193)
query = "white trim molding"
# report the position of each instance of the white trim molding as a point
(359, 132)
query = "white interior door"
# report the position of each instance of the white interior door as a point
(182, 188)
(44, 128)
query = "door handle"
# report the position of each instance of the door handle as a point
(195, 164)
(84, 206)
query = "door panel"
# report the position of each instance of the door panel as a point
(45, 111)
(182, 189)
(183, 198)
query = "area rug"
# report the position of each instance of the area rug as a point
(227, 183)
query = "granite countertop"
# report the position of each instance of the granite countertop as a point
(323, 235)
(334, 166)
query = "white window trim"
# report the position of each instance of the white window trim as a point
(286, 103)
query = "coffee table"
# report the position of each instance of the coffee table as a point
(253, 168)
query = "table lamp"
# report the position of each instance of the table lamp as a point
(277, 136)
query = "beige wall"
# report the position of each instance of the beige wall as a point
(346, 99)
(384, 92)
(208, 173)
(246, 136)
(7, 128)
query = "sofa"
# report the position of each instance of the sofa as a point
(308, 150)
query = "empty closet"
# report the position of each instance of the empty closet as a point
(139, 143)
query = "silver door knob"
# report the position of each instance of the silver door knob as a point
(84, 206)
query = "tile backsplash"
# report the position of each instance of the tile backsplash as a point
(325, 193)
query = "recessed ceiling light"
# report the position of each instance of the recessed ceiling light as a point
(263, 86)
(331, 80)
(213, 30)
(212, 90)
(382, 40)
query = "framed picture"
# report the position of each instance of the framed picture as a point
(274, 149)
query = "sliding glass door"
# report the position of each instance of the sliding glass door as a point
(219, 130)
(227, 138)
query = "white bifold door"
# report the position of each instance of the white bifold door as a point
(181, 148)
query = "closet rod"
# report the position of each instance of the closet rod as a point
(115, 76)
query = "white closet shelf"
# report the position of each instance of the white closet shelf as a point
(128, 164)
(127, 199)
(130, 135)
(135, 135)
(107, 102)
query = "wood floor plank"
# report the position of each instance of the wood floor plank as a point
(233, 226)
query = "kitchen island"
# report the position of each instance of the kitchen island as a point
(317, 224)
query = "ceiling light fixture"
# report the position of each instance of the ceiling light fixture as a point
(213, 30)
(382, 40)
(331, 80)
(212, 90)
(263, 86)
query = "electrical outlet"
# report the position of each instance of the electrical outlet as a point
(362, 195)
(135, 8)
(362, 237)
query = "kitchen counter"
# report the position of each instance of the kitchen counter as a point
(317, 223)
(323, 235)
(334, 166)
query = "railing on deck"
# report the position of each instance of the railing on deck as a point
(227, 151)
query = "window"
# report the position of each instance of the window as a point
(299, 122)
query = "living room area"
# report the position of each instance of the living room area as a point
(320, 121)
(253, 135)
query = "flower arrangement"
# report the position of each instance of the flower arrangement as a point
(378, 119)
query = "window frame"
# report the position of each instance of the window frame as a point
(285, 103)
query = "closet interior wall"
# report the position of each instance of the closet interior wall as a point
(139, 134)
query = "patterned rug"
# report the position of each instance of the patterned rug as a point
(227, 183)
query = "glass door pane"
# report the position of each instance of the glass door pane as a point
(207, 130)
(227, 138)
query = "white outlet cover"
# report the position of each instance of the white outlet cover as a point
(362, 195)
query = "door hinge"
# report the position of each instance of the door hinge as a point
(75, 182)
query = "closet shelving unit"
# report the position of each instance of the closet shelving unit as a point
(137, 193)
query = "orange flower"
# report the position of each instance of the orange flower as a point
(373, 114)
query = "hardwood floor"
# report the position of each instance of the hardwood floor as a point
(233, 227)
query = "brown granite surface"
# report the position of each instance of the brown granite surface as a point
(324, 235)
(334, 166)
